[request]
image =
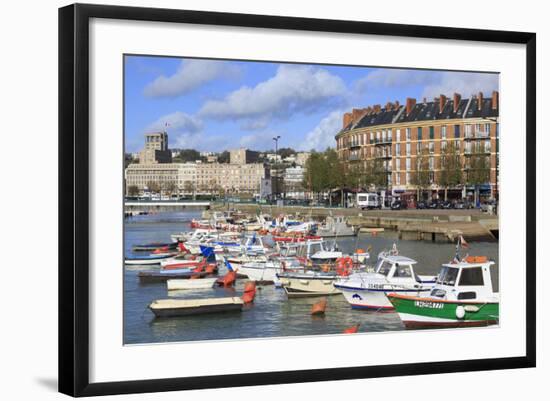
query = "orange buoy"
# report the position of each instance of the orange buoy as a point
(319, 307)
(249, 292)
(228, 279)
(374, 233)
(359, 251)
(352, 329)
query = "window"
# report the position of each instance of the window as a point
(408, 149)
(444, 132)
(408, 163)
(448, 276)
(432, 132)
(487, 145)
(457, 131)
(471, 276)
(467, 147)
(408, 133)
(397, 179)
(419, 129)
(384, 268)
(397, 149)
(431, 163)
(467, 295)
(431, 147)
(467, 131)
(398, 135)
(438, 292)
(443, 145)
(402, 271)
(371, 137)
(398, 164)
(407, 178)
(377, 136)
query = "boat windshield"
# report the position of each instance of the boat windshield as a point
(402, 271)
(384, 268)
(447, 275)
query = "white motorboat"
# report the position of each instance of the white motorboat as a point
(267, 271)
(336, 227)
(393, 274)
(308, 283)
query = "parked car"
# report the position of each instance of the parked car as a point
(447, 205)
(421, 205)
(436, 204)
(398, 205)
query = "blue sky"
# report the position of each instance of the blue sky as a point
(214, 105)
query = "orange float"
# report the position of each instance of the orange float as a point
(249, 292)
(352, 329)
(319, 308)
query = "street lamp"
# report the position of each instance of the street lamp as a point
(276, 139)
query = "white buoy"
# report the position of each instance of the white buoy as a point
(460, 312)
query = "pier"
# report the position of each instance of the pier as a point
(135, 207)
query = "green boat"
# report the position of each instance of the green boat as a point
(462, 297)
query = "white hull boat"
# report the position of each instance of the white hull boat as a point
(393, 274)
(190, 284)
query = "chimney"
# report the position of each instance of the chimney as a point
(442, 100)
(369, 110)
(456, 101)
(347, 119)
(355, 114)
(494, 100)
(388, 106)
(396, 105)
(410, 104)
(479, 100)
(376, 108)
(424, 100)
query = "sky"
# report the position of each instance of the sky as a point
(216, 105)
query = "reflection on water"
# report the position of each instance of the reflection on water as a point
(271, 314)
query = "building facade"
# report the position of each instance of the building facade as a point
(155, 172)
(155, 149)
(398, 136)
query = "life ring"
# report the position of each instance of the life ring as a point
(344, 266)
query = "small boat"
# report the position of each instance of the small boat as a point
(184, 307)
(156, 276)
(154, 246)
(148, 260)
(190, 284)
(336, 227)
(462, 297)
(266, 272)
(393, 273)
(308, 283)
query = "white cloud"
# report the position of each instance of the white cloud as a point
(259, 141)
(293, 89)
(190, 75)
(178, 122)
(465, 83)
(434, 82)
(322, 136)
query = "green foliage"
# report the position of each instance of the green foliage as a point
(451, 167)
(187, 155)
(479, 166)
(421, 175)
(223, 157)
(153, 186)
(133, 190)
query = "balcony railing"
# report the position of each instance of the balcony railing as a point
(476, 135)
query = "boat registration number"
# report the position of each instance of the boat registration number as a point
(428, 304)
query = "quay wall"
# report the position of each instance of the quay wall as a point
(422, 225)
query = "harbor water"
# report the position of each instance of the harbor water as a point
(272, 314)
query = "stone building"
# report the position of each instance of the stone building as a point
(395, 136)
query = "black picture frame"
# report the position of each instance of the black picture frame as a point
(74, 198)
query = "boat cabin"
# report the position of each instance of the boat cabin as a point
(397, 269)
(467, 280)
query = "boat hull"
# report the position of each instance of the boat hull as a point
(371, 299)
(308, 286)
(416, 312)
(187, 284)
(176, 308)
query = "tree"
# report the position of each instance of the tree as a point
(170, 187)
(478, 169)
(315, 173)
(189, 188)
(451, 168)
(188, 155)
(224, 157)
(133, 190)
(285, 152)
(421, 176)
(153, 186)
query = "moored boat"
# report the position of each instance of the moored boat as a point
(462, 296)
(184, 307)
(393, 273)
(190, 284)
(148, 260)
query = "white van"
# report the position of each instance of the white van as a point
(368, 200)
